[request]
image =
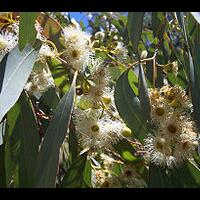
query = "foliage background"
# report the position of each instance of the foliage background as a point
(22, 165)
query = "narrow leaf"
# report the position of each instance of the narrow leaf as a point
(135, 24)
(186, 176)
(74, 176)
(128, 105)
(144, 94)
(29, 141)
(2, 70)
(87, 174)
(158, 24)
(22, 142)
(196, 15)
(2, 167)
(47, 161)
(17, 70)
(158, 177)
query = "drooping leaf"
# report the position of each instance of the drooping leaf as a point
(12, 146)
(144, 94)
(2, 166)
(158, 177)
(128, 105)
(135, 24)
(29, 141)
(22, 143)
(179, 19)
(87, 175)
(2, 70)
(186, 176)
(48, 157)
(194, 84)
(50, 98)
(18, 68)
(73, 142)
(2, 131)
(27, 31)
(74, 176)
(196, 15)
(158, 24)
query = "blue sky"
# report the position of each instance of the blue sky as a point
(79, 16)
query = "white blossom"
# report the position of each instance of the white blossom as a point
(8, 41)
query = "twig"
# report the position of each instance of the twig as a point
(144, 60)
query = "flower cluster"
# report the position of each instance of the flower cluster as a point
(106, 177)
(96, 119)
(174, 138)
(95, 90)
(40, 79)
(39, 82)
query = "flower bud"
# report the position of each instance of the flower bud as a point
(106, 99)
(126, 132)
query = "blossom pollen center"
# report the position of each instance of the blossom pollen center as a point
(75, 54)
(128, 173)
(106, 100)
(185, 144)
(105, 184)
(95, 128)
(2, 44)
(171, 128)
(160, 111)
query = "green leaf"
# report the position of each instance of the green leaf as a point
(196, 15)
(12, 146)
(87, 174)
(47, 161)
(178, 15)
(183, 27)
(187, 175)
(144, 94)
(17, 70)
(128, 105)
(193, 64)
(22, 143)
(126, 150)
(59, 74)
(195, 90)
(2, 69)
(122, 29)
(158, 178)
(135, 24)
(73, 143)
(74, 176)
(29, 141)
(177, 80)
(27, 31)
(2, 166)
(158, 24)
(50, 98)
